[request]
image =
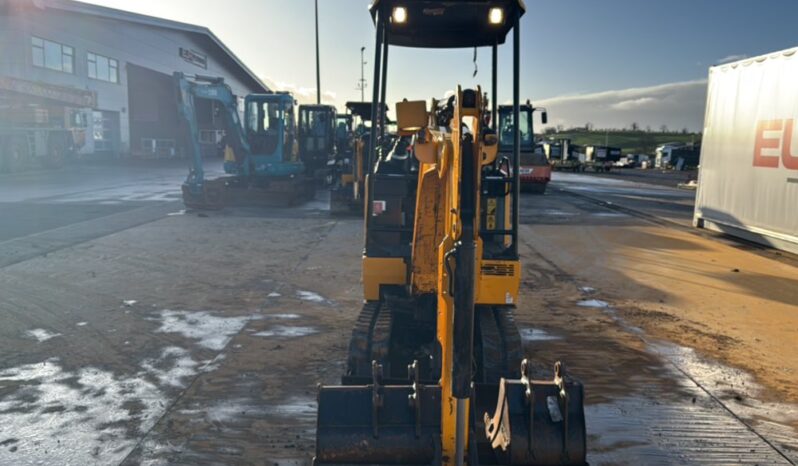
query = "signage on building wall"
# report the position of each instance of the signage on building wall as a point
(195, 58)
(76, 97)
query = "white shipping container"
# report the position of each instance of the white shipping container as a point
(748, 180)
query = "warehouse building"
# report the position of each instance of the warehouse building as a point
(94, 81)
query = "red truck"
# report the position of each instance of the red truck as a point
(535, 172)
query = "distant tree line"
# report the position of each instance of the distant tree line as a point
(633, 128)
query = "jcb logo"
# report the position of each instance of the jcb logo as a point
(774, 144)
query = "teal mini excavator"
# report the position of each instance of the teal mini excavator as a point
(261, 159)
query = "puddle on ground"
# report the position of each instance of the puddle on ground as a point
(739, 392)
(286, 331)
(282, 316)
(295, 408)
(82, 324)
(210, 331)
(273, 294)
(558, 213)
(174, 365)
(691, 421)
(609, 214)
(594, 303)
(159, 454)
(587, 289)
(129, 302)
(227, 410)
(210, 365)
(652, 431)
(89, 416)
(536, 334)
(41, 335)
(178, 213)
(310, 296)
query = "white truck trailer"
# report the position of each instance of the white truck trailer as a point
(748, 178)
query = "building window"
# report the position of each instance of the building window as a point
(52, 55)
(103, 68)
(210, 136)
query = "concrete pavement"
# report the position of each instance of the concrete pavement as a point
(139, 337)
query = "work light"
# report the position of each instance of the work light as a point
(496, 16)
(399, 14)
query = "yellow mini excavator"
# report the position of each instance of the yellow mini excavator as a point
(435, 373)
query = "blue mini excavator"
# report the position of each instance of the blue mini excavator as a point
(261, 159)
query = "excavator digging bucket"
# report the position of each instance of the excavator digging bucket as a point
(374, 424)
(520, 422)
(532, 422)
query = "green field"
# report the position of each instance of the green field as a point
(632, 142)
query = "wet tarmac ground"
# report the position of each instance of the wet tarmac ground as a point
(134, 332)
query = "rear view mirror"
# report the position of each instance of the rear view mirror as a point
(544, 117)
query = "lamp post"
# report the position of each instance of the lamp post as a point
(361, 85)
(318, 70)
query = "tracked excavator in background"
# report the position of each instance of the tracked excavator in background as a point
(317, 138)
(348, 171)
(435, 373)
(262, 166)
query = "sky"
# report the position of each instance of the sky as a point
(609, 62)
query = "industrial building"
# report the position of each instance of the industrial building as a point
(85, 80)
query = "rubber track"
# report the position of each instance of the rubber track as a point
(381, 337)
(511, 338)
(492, 364)
(359, 358)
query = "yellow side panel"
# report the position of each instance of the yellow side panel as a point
(499, 282)
(428, 231)
(347, 179)
(382, 271)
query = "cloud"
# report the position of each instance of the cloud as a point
(302, 94)
(730, 59)
(677, 105)
(634, 103)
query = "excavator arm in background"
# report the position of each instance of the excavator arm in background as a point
(213, 89)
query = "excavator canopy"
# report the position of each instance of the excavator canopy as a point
(447, 24)
(362, 109)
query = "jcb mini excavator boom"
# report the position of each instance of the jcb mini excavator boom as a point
(435, 374)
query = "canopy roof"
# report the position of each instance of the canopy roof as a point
(362, 109)
(447, 24)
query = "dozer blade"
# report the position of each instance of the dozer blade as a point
(271, 192)
(218, 193)
(212, 195)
